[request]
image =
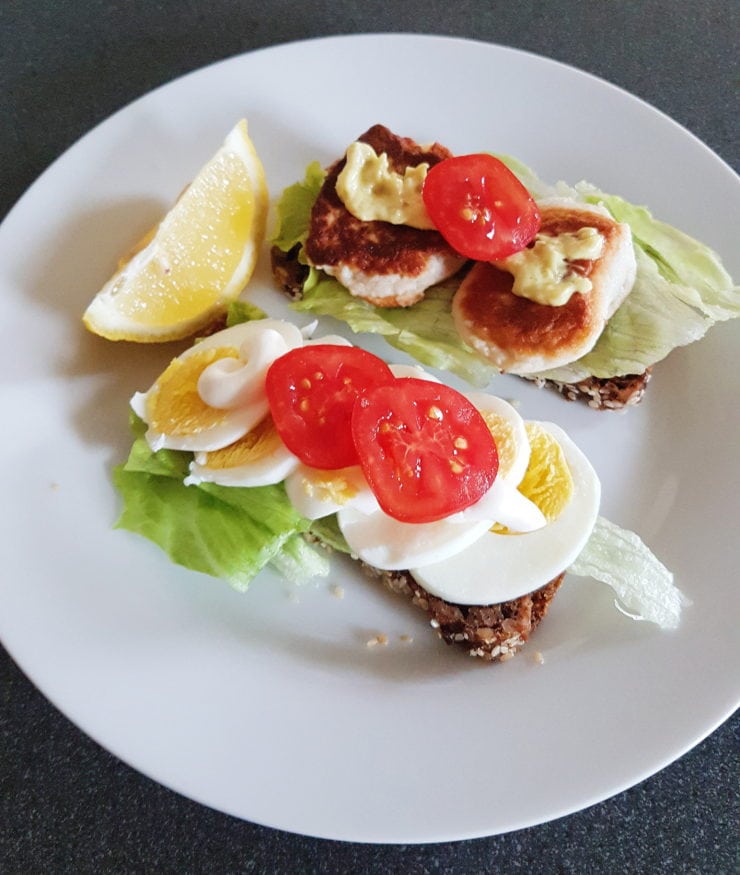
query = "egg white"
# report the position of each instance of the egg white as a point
(412, 371)
(491, 404)
(271, 468)
(497, 567)
(391, 545)
(236, 386)
(307, 492)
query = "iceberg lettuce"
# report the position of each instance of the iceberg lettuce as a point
(424, 331)
(643, 585)
(680, 291)
(227, 532)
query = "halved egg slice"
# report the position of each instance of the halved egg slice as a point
(508, 429)
(500, 567)
(258, 458)
(389, 544)
(213, 393)
(415, 371)
(316, 493)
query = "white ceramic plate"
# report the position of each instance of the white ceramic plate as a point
(270, 706)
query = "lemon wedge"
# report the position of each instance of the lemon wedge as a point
(198, 259)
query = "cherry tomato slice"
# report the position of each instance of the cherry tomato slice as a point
(424, 448)
(312, 390)
(480, 207)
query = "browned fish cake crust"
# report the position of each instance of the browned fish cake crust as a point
(521, 326)
(336, 237)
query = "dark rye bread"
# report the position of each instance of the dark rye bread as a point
(607, 393)
(493, 633)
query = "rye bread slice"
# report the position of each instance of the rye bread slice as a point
(493, 633)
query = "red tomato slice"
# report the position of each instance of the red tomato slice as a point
(480, 207)
(424, 448)
(312, 390)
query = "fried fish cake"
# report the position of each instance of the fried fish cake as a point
(521, 336)
(388, 265)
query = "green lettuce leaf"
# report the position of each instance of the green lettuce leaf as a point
(425, 331)
(294, 208)
(681, 289)
(643, 585)
(655, 318)
(227, 532)
(328, 532)
(243, 311)
(297, 561)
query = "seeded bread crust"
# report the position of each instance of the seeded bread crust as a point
(493, 633)
(610, 393)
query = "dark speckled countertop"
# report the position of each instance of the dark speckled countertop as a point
(66, 805)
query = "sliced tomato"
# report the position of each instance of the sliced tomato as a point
(312, 390)
(424, 448)
(480, 207)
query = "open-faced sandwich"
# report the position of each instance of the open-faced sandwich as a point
(471, 264)
(260, 442)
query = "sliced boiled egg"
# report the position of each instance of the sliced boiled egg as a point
(389, 544)
(258, 458)
(509, 433)
(213, 393)
(317, 493)
(499, 567)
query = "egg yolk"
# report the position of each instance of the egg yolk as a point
(503, 436)
(547, 482)
(332, 486)
(174, 406)
(257, 444)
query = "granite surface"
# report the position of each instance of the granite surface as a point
(66, 805)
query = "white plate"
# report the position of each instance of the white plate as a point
(269, 706)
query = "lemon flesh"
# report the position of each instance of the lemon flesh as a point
(197, 260)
